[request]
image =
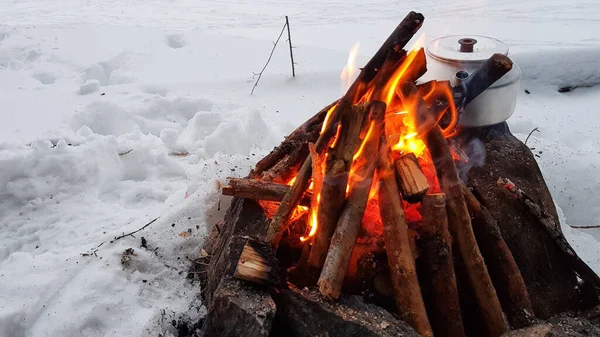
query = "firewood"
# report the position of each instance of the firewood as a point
(436, 268)
(257, 264)
(260, 190)
(501, 264)
(553, 229)
(348, 226)
(333, 191)
(413, 182)
(397, 40)
(459, 219)
(407, 291)
(290, 143)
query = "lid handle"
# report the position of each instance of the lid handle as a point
(466, 44)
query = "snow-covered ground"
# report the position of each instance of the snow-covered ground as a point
(115, 113)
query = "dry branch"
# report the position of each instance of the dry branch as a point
(502, 266)
(346, 232)
(260, 190)
(459, 219)
(403, 274)
(553, 229)
(436, 268)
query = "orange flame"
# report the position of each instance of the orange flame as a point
(349, 72)
(318, 166)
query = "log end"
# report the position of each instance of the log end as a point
(257, 264)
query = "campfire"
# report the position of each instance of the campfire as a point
(369, 185)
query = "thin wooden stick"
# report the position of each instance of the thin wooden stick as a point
(287, 23)
(501, 264)
(403, 274)
(436, 268)
(268, 60)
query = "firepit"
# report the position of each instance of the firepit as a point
(361, 213)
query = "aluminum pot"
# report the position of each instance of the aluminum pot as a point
(451, 55)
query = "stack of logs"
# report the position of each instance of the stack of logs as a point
(454, 222)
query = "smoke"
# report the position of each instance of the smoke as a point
(473, 155)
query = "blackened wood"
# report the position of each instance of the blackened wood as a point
(459, 220)
(436, 268)
(260, 190)
(501, 264)
(305, 313)
(547, 271)
(551, 227)
(492, 70)
(333, 191)
(348, 226)
(239, 310)
(403, 273)
(413, 182)
(226, 296)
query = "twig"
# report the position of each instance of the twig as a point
(131, 234)
(287, 23)
(269, 60)
(529, 135)
(585, 227)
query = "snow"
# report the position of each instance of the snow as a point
(117, 113)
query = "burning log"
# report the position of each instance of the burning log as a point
(503, 269)
(292, 142)
(397, 40)
(458, 216)
(346, 232)
(403, 274)
(413, 182)
(436, 268)
(260, 190)
(333, 192)
(553, 229)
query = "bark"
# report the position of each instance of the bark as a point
(503, 269)
(436, 268)
(403, 274)
(344, 238)
(260, 190)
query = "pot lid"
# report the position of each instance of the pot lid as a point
(469, 48)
